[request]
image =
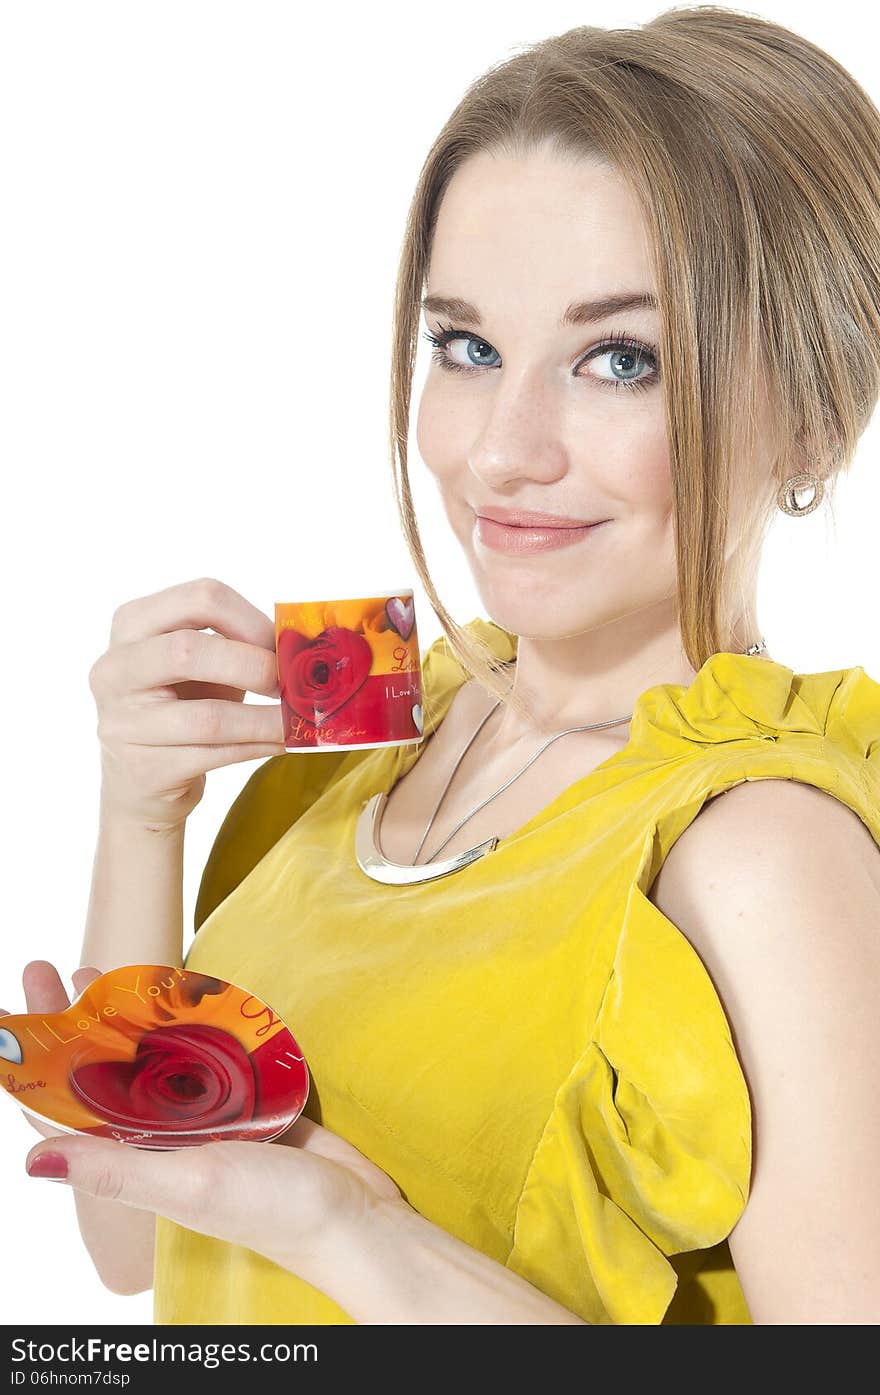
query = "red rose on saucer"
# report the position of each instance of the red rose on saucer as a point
(182, 1077)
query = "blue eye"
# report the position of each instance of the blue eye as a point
(616, 347)
(10, 1047)
(478, 360)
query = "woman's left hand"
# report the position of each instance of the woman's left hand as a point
(298, 1200)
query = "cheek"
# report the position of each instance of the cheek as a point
(432, 440)
(639, 477)
(443, 431)
(654, 478)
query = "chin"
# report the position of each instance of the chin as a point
(522, 612)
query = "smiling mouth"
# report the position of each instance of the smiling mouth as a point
(518, 538)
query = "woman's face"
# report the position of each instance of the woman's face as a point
(527, 413)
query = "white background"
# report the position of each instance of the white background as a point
(203, 205)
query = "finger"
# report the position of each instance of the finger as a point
(185, 655)
(208, 722)
(194, 605)
(43, 988)
(187, 762)
(83, 976)
(169, 1182)
(200, 1187)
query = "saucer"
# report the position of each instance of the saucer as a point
(157, 1057)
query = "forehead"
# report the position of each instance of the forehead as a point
(537, 228)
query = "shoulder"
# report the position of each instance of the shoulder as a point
(769, 815)
(775, 880)
(769, 837)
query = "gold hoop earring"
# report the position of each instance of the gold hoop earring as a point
(787, 499)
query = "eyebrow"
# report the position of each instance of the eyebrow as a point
(580, 312)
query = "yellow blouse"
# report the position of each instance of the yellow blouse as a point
(531, 1050)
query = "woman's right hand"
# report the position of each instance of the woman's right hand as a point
(170, 698)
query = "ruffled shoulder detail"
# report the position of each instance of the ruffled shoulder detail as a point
(737, 697)
(851, 721)
(648, 1151)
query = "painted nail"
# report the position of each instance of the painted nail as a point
(48, 1165)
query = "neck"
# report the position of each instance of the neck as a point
(598, 675)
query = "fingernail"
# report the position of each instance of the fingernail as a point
(48, 1165)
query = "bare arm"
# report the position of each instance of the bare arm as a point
(135, 916)
(397, 1267)
(135, 913)
(777, 886)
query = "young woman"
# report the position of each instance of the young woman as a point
(589, 997)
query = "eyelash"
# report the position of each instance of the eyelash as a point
(615, 340)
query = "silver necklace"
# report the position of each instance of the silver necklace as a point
(372, 860)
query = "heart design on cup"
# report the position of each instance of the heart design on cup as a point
(318, 676)
(418, 721)
(401, 615)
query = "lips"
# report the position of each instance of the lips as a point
(525, 518)
(502, 537)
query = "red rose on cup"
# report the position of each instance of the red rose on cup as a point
(181, 1077)
(319, 675)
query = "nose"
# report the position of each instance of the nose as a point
(520, 435)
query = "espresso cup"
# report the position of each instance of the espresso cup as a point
(349, 672)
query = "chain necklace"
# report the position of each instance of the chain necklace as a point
(371, 859)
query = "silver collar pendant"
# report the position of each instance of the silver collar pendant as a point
(377, 866)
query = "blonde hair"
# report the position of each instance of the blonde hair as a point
(755, 158)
